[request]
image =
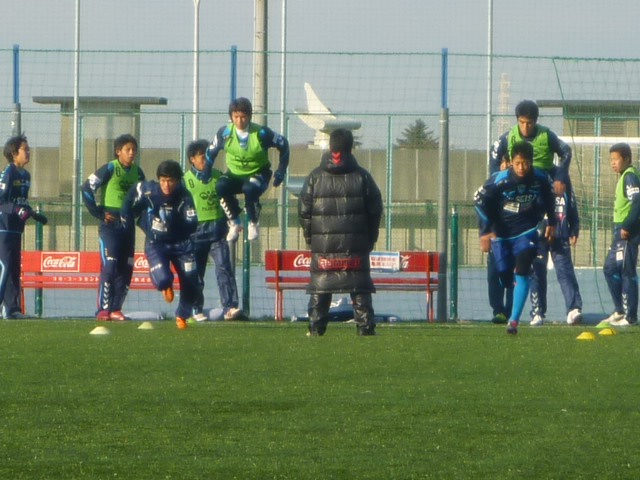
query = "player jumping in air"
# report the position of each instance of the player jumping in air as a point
(246, 145)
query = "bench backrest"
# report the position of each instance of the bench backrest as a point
(406, 261)
(55, 269)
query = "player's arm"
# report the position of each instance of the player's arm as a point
(563, 151)
(271, 139)
(549, 206)
(498, 151)
(632, 191)
(485, 206)
(90, 189)
(132, 204)
(217, 145)
(188, 212)
(573, 218)
(6, 205)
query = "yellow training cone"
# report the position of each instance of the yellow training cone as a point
(586, 336)
(145, 326)
(607, 332)
(99, 331)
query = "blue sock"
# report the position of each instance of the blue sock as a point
(520, 293)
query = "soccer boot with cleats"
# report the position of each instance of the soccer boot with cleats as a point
(181, 323)
(168, 294)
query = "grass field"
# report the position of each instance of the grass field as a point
(262, 401)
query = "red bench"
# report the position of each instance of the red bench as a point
(400, 271)
(75, 270)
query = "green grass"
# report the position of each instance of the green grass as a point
(261, 401)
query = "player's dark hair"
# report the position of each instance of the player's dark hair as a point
(341, 140)
(169, 168)
(122, 140)
(241, 105)
(196, 147)
(623, 149)
(527, 109)
(12, 146)
(524, 149)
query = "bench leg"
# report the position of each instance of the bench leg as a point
(279, 305)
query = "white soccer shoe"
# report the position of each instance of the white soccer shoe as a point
(537, 321)
(200, 317)
(614, 317)
(253, 231)
(574, 316)
(623, 322)
(232, 313)
(235, 229)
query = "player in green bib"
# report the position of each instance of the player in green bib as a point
(246, 145)
(546, 147)
(117, 243)
(210, 237)
(621, 262)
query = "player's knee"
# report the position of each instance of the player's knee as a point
(524, 260)
(252, 188)
(110, 265)
(160, 277)
(506, 279)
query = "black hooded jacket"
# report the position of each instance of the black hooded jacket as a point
(340, 208)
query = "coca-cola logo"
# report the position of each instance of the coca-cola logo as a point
(302, 261)
(140, 263)
(60, 262)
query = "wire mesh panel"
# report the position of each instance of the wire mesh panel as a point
(393, 97)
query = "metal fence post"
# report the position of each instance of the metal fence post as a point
(453, 273)
(39, 243)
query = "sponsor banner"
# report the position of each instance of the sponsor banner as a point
(140, 263)
(380, 262)
(302, 261)
(385, 261)
(339, 264)
(60, 262)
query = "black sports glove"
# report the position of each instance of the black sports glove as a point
(40, 218)
(23, 211)
(278, 177)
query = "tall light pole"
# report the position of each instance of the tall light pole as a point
(489, 79)
(75, 178)
(196, 67)
(282, 212)
(260, 61)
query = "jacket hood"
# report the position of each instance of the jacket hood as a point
(339, 162)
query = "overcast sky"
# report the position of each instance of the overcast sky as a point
(545, 28)
(584, 28)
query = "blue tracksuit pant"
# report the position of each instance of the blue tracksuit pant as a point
(561, 255)
(180, 254)
(621, 275)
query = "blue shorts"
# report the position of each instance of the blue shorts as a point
(506, 250)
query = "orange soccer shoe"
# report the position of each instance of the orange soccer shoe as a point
(117, 316)
(103, 316)
(181, 323)
(168, 294)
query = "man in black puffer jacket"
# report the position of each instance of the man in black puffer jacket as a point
(339, 208)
